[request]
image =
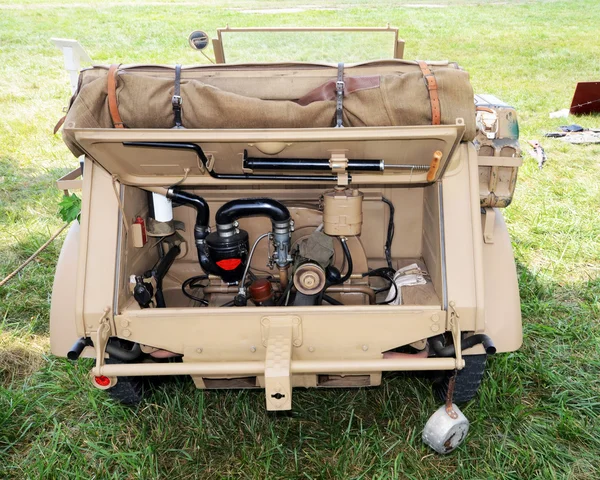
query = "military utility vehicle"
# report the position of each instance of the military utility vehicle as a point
(289, 224)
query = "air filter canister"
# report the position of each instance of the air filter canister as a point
(342, 212)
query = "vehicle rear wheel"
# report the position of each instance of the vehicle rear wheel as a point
(128, 390)
(468, 380)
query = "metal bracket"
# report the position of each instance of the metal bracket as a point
(338, 161)
(488, 225)
(454, 327)
(278, 360)
(70, 181)
(487, 122)
(265, 327)
(100, 339)
(449, 406)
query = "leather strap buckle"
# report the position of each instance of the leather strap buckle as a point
(430, 81)
(176, 100)
(339, 97)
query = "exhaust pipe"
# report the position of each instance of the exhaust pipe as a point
(75, 351)
(437, 344)
(113, 350)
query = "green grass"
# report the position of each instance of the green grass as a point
(537, 415)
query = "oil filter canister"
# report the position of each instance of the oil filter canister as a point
(342, 212)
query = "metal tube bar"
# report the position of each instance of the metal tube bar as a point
(317, 164)
(365, 289)
(366, 366)
(231, 176)
(258, 368)
(307, 29)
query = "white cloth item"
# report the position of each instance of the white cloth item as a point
(405, 277)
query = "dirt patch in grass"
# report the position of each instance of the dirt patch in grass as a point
(20, 357)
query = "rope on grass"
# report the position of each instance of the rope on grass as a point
(30, 259)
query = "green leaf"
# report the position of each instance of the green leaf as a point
(69, 208)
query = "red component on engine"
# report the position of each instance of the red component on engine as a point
(261, 290)
(229, 263)
(140, 221)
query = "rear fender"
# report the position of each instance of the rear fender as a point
(502, 301)
(63, 326)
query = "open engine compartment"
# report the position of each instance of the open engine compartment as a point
(299, 259)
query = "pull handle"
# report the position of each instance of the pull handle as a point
(433, 167)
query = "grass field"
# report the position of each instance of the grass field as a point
(537, 415)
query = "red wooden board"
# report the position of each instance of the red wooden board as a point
(586, 98)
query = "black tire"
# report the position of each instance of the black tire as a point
(467, 383)
(128, 390)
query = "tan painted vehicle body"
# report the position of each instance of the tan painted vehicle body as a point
(448, 225)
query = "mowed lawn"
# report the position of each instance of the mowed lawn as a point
(537, 414)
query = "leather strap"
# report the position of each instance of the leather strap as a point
(59, 124)
(339, 97)
(327, 90)
(177, 101)
(432, 87)
(112, 96)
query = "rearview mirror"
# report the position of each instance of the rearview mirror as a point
(198, 40)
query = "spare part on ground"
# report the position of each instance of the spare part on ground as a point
(283, 225)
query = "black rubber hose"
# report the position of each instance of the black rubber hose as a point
(205, 261)
(331, 301)
(437, 344)
(160, 298)
(123, 354)
(159, 272)
(192, 283)
(113, 350)
(390, 232)
(164, 264)
(348, 261)
(287, 290)
(194, 201)
(249, 207)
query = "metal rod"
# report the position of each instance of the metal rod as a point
(231, 176)
(318, 164)
(404, 166)
(242, 288)
(364, 289)
(323, 164)
(258, 368)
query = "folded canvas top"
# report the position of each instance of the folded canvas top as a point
(269, 96)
